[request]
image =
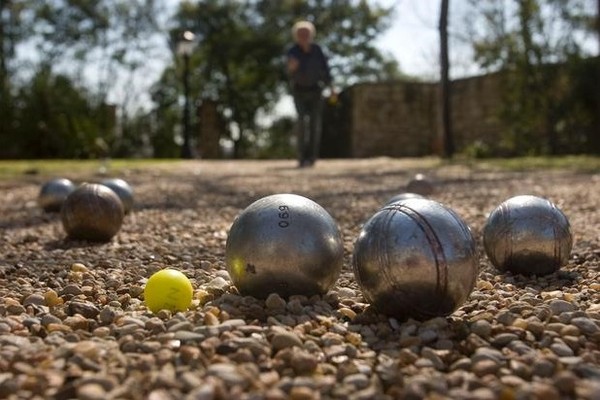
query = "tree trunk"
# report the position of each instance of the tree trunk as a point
(595, 135)
(445, 89)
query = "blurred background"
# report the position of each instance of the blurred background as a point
(168, 78)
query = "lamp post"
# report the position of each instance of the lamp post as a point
(185, 47)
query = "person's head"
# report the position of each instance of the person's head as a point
(303, 32)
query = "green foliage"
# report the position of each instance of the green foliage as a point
(239, 60)
(66, 124)
(548, 107)
(276, 140)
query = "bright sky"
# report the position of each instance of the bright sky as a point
(413, 37)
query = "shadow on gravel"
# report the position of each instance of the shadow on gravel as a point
(30, 221)
(556, 281)
(67, 244)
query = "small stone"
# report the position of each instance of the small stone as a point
(485, 367)
(481, 328)
(359, 381)
(284, 339)
(487, 353)
(187, 336)
(560, 306)
(428, 335)
(346, 292)
(210, 319)
(88, 310)
(275, 302)
(79, 267)
(303, 362)
(565, 381)
(586, 325)
(348, 313)
(91, 391)
(107, 315)
(502, 339)
(15, 309)
(72, 290)
(432, 356)
(302, 393)
(484, 285)
(217, 286)
(543, 368)
(520, 323)
(34, 299)
(52, 299)
(227, 373)
(561, 350)
(461, 364)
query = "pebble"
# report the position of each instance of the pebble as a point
(585, 325)
(543, 368)
(359, 381)
(91, 391)
(35, 299)
(275, 302)
(502, 339)
(285, 339)
(514, 338)
(561, 350)
(228, 373)
(485, 367)
(88, 310)
(561, 306)
(481, 328)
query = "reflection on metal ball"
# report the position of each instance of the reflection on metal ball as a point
(123, 190)
(527, 235)
(415, 259)
(286, 244)
(402, 197)
(92, 212)
(53, 194)
(420, 184)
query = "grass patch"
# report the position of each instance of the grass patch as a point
(15, 168)
(588, 164)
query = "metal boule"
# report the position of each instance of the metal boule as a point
(402, 197)
(53, 194)
(527, 235)
(285, 244)
(415, 259)
(92, 212)
(123, 190)
(420, 184)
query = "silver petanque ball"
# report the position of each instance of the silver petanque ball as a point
(402, 197)
(527, 235)
(53, 193)
(92, 212)
(420, 184)
(123, 190)
(415, 259)
(285, 244)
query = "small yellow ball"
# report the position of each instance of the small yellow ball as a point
(168, 289)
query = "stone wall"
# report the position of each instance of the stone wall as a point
(402, 119)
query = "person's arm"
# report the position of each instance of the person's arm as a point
(292, 62)
(328, 80)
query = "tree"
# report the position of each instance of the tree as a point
(239, 58)
(445, 82)
(73, 40)
(537, 44)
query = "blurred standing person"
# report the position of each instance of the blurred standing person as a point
(308, 71)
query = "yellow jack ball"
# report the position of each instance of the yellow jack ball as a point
(168, 289)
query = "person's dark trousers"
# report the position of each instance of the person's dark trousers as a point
(309, 105)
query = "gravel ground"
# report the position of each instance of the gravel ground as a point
(73, 322)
